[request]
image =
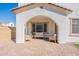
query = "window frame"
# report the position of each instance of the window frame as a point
(36, 25)
(71, 32)
(41, 24)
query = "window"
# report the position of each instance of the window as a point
(75, 26)
(39, 27)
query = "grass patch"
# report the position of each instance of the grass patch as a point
(76, 45)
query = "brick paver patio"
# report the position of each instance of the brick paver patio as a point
(37, 47)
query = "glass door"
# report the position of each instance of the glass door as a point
(39, 27)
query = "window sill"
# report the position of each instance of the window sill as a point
(74, 35)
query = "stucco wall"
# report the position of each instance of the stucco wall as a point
(41, 19)
(24, 17)
(22, 4)
(63, 23)
(73, 15)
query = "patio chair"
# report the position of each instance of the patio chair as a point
(28, 37)
(52, 38)
(46, 35)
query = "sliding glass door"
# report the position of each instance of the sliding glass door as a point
(39, 27)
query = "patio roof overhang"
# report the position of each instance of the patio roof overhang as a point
(47, 6)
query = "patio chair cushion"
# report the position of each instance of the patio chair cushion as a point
(39, 34)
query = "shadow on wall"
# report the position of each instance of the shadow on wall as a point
(13, 33)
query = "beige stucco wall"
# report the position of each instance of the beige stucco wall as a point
(5, 34)
(41, 19)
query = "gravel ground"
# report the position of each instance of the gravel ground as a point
(37, 47)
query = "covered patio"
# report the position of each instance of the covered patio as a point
(41, 27)
(50, 14)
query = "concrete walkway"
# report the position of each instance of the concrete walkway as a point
(37, 47)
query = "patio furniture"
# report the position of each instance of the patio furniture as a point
(52, 38)
(38, 34)
(46, 35)
(28, 37)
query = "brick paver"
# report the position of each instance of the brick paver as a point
(37, 47)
